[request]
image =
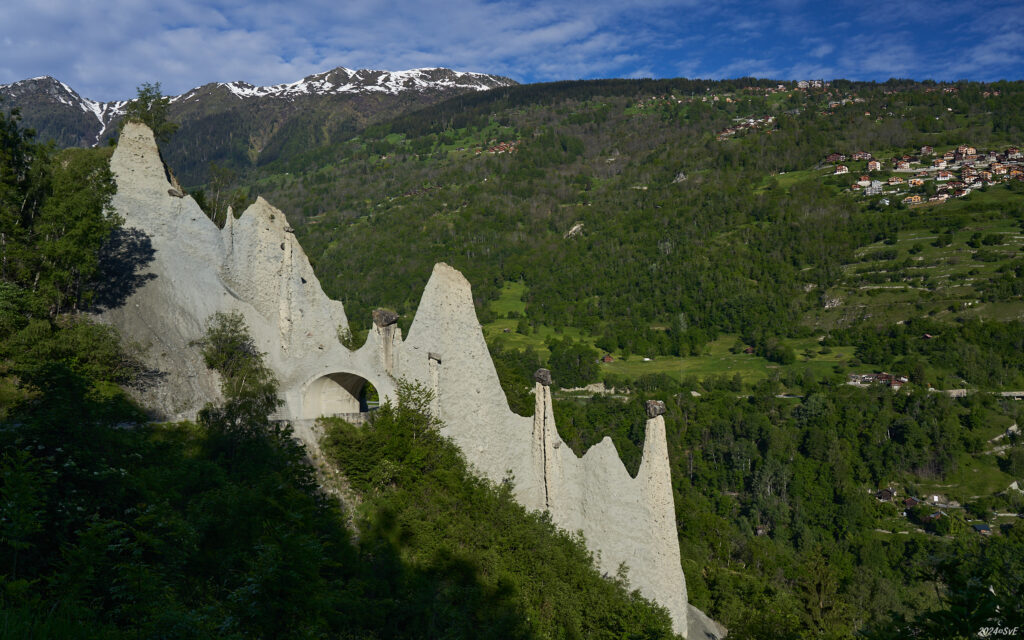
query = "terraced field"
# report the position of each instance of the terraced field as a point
(935, 269)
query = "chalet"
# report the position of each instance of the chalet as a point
(864, 181)
(986, 175)
(911, 502)
(842, 168)
(927, 150)
(916, 182)
(1013, 153)
(998, 169)
(943, 176)
(949, 156)
(961, 193)
(885, 495)
(982, 529)
(939, 163)
(895, 180)
(875, 189)
(1016, 172)
(887, 379)
(874, 165)
(607, 358)
(835, 157)
(939, 197)
(903, 165)
(967, 172)
(861, 155)
(914, 199)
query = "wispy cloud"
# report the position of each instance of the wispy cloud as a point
(821, 50)
(106, 49)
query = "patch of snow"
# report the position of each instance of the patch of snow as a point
(360, 81)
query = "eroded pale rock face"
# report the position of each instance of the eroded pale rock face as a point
(255, 266)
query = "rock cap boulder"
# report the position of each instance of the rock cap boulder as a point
(384, 317)
(655, 408)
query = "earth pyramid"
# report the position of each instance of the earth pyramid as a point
(189, 269)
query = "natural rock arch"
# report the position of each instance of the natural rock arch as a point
(338, 393)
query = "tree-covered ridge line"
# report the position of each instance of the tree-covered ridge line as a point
(718, 238)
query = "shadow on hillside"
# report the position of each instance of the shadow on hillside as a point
(123, 260)
(440, 596)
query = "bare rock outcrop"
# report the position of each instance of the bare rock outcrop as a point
(255, 266)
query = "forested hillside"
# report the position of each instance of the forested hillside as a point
(704, 240)
(114, 527)
(620, 208)
(694, 242)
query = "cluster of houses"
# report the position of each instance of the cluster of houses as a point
(729, 98)
(657, 101)
(893, 381)
(746, 124)
(889, 495)
(766, 91)
(956, 172)
(501, 147)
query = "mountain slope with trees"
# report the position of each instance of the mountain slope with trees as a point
(625, 224)
(113, 527)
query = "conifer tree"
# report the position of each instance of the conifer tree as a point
(150, 108)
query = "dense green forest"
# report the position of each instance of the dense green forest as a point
(113, 527)
(627, 226)
(617, 206)
(633, 227)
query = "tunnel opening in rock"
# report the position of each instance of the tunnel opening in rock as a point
(339, 394)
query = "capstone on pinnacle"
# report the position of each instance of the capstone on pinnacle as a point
(655, 408)
(384, 317)
(543, 376)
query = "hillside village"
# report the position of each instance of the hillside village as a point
(930, 176)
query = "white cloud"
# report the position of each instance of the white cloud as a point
(995, 52)
(822, 50)
(105, 49)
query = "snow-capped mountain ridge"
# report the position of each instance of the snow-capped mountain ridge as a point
(48, 89)
(49, 100)
(342, 80)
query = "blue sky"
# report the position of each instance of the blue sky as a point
(104, 49)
